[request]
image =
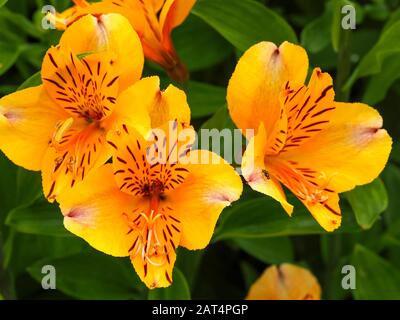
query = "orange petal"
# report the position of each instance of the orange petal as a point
(328, 213)
(108, 32)
(84, 88)
(94, 210)
(132, 10)
(285, 282)
(351, 151)
(174, 13)
(141, 163)
(255, 172)
(71, 157)
(308, 108)
(210, 186)
(310, 187)
(153, 253)
(259, 77)
(27, 121)
(155, 266)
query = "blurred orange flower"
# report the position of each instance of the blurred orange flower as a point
(285, 282)
(153, 20)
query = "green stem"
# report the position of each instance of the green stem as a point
(333, 247)
(344, 65)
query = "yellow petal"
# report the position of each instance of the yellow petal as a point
(94, 210)
(351, 151)
(27, 122)
(108, 32)
(168, 105)
(259, 77)
(210, 186)
(285, 282)
(145, 99)
(328, 213)
(131, 107)
(255, 172)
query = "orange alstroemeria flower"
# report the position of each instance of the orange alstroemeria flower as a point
(285, 282)
(153, 20)
(304, 140)
(60, 127)
(146, 209)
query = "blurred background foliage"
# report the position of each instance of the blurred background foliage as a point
(255, 231)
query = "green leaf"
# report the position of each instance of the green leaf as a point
(7, 89)
(33, 55)
(325, 59)
(316, 35)
(387, 46)
(244, 22)
(22, 250)
(394, 17)
(188, 262)
(33, 81)
(395, 154)
(376, 278)
(92, 275)
(3, 2)
(9, 54)
(377, 10)
(8, 187)
(204, 99)
(336, 25)
(29, 186)
(179, 290)
(380, 83)
(368, 202)
(269, 250)
(264, 217)
(208, 49)
(391, 177)
(220, 120)
(61, 5)
(18, 25)
(40, 218)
